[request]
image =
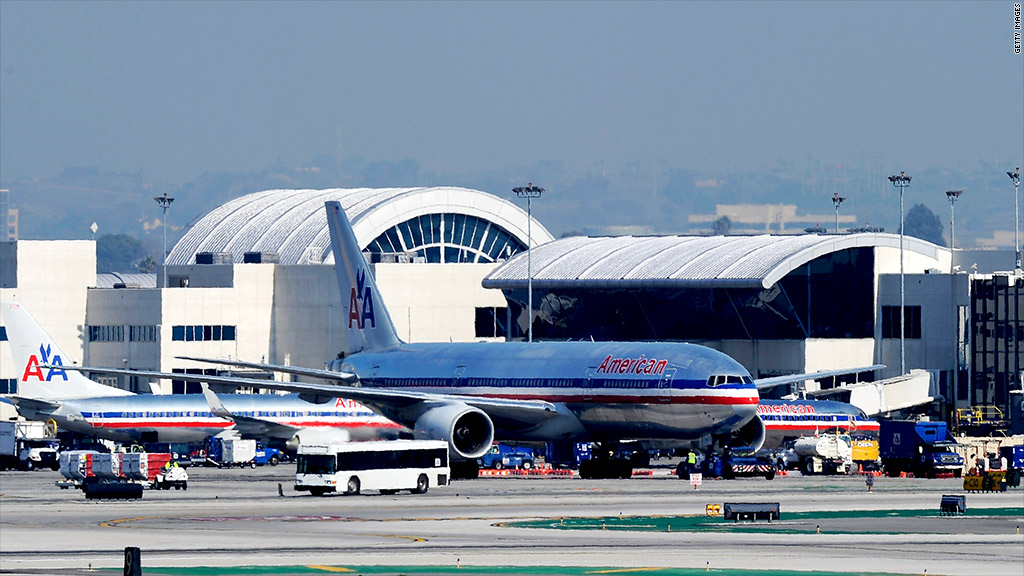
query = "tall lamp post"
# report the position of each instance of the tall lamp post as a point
(529, 192)
(165, 203)
(836, 201)
(902, 182)
(1015, 177)
(953, 196)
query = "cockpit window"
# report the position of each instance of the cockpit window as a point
(721, 379)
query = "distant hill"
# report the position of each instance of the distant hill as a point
(637, 198)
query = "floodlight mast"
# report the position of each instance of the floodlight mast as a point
(902, 182)
(836, 201)
(1015, 177)
(165, 203)
(953, 196)
(529, 192)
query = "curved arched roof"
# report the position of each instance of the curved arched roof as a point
(681, 261)
(292, 223)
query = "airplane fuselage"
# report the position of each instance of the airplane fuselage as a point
(604, 391)
(789, 419)
(187, 418)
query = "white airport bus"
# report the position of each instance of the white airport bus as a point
(386, 465)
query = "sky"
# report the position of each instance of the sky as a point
(172, 90)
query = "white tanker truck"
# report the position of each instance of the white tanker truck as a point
(824, 454)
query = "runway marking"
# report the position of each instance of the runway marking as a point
(331, 568)
(622, 570)
(413, 538)
(117, 521)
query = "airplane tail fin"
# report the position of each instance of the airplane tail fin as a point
(32, 349)
(368, 322)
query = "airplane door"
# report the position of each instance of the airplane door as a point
(457, 378)
(665, 385)
(588, 385)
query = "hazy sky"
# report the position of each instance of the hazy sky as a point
(177, 89)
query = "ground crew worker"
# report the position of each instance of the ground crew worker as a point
(691, 461)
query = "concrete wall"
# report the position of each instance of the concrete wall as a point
(50, 281)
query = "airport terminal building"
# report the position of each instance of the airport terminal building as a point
(254, 280)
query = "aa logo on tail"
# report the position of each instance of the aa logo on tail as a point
(367, 303)
(34, 366)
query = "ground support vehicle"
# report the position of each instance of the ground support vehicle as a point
(388, 466)
(566, 454)
(864, 454)
(230, 452)
(985, 481)
(825, 454)
(27, 446)
(1014, 456)
(501, 456)
(267, 455)
(924, 449)
(106, 475)
(745, 462)
(173, 477)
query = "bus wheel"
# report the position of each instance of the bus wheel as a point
(353, 485)
(422, 484)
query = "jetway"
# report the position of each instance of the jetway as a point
(884, 396)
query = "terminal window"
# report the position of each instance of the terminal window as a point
(490, 322)
(8, 385)
(202, 333)
(891, 323)
(106, 333)
(142, 333)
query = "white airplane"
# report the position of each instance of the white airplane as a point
(469, 394)
(48, 391)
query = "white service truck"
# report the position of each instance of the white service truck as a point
(824, 454)
(27, 446)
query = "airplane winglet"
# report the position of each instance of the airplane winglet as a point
(216, 406)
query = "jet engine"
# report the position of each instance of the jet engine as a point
(469, 431)
(751, 434)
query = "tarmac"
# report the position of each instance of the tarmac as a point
(235, 522)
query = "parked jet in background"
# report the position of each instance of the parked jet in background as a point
(790, 419)
(48, 391)
(654, 394)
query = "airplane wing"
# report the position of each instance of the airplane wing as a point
(393, 404)
(43, 406)
(765, 383)
(328, 375)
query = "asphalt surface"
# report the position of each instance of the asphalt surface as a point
(235, 521)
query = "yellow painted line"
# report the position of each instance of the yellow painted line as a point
(117, 521)
(330, 568)
(622, 570)
(412, 538)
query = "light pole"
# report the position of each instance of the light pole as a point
(165, 203)
(529, 192)
(836, 201)
(953, 196)
(1015, 177)
(902, 182)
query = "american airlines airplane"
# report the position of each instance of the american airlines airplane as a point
(790, 419)
(652, 393)
(48, 391)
